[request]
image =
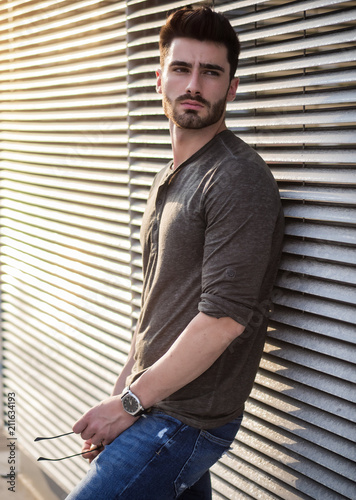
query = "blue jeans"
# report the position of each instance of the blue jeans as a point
(157, 458)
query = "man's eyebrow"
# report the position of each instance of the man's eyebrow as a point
(215, 67)
(185, 64)
(181, 63)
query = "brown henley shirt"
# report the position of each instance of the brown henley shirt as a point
(211, 238)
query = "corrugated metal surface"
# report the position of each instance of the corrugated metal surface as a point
(72, 205)
(65, 255)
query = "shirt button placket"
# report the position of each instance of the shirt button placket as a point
(159, 208)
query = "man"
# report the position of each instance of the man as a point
(211, 239)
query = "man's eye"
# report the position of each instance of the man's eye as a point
(180, 70)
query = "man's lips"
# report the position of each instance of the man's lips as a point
(192, 104)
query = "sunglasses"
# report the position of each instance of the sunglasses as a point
(69, 456)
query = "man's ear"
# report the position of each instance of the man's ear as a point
(159, 81)
(232, 89)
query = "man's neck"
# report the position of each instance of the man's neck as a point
(186, 142)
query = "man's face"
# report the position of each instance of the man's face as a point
(195, 83)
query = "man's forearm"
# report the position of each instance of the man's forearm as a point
(195, 350)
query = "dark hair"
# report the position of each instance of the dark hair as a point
(203, 24)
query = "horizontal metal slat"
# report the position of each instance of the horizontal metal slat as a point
(80, 327)
(317, 288)
(63, 55)
(34, 394)
(320, 213)
(310, 376)
(276, 137)
(309, 156)
(320, 455)
(90, 84)
(272, 384)
(282, 10)
(301, 411)
(78, 205)
(72, 159)
(291, 118)
(91, 139)
(338, 76)
(308, 24)
(30, 234)
(104, 306)
(62, 21)
(329, 253)
(114, 286)
(78, 314)
(286, 100)
(321, 307)
(30, 354)
(321, 363)
(63, 50)
(83, 72)
(77, 272)
(332, 196)
(311, 42)
(283, 316)
(79, 340)
(96, 218)
(34, 246)
(317, 268)
(115, 239)
(54, 345)
(309, 61)
(299, 429)
(322, 344)
(110, 100)
(271, 156)
(70, 127)
(101, 183)
(328, 233)
(247, 482)
(53, 36)
(16, 16)
(285, 449)
(40, 415)
(80, 114)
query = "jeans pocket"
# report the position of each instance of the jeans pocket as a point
(206, 452)
(225, 443)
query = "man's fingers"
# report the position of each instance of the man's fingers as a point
(79, 426)
(91, 452)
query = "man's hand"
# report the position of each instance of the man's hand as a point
(90, 455)
(103, 423)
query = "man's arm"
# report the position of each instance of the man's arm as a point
(195, 350)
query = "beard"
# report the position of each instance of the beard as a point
(190, 118)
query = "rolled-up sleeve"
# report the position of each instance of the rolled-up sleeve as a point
(241, 210)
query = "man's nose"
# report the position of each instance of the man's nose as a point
(193, 84)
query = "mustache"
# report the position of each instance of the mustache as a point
(187, 97)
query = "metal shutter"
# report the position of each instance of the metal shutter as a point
(71, 302)
(65, 254)
(296, 106)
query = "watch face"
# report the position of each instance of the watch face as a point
(130, 404)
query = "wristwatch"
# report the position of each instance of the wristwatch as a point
(131, 403)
